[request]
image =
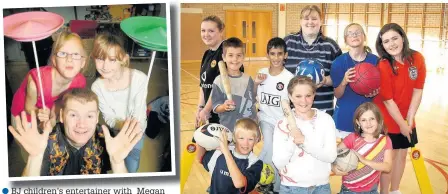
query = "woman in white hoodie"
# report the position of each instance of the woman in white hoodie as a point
(304, 158)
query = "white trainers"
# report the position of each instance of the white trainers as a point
(395, 192)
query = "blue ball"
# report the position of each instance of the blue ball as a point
(312, 69)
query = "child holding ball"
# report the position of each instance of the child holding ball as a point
(373, 148)
(234, 169)
(342, 74)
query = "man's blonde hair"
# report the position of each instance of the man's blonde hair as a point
(82, 95)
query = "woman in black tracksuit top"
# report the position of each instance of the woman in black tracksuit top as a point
(212, 29)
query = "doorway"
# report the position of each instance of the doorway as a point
(254, 28)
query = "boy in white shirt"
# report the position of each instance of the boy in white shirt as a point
(270, 84)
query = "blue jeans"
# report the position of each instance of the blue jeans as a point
(132, 161)
(321, 189)
(344, 190)
(266, 153)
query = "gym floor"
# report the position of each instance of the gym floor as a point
(432, 125)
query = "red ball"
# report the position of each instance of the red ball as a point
(366, 80)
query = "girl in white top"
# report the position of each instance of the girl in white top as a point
(121, 90)
(270, 84)
(304, 159)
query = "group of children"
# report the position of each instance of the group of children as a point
(379, 132)
(303, 160)
(119, 94)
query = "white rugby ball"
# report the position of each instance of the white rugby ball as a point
(207, 136)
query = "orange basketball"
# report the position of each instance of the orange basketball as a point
(366, 80)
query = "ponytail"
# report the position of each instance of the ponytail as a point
(367, 49)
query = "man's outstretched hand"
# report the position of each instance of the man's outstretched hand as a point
(28, 136)
(118, 147)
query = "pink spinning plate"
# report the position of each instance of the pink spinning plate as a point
(31, 26)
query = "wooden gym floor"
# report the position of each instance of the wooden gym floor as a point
(432, 126)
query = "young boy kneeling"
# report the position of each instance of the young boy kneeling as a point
(235, 169)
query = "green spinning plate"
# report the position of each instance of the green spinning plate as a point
(149, 32)
(150, 46)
